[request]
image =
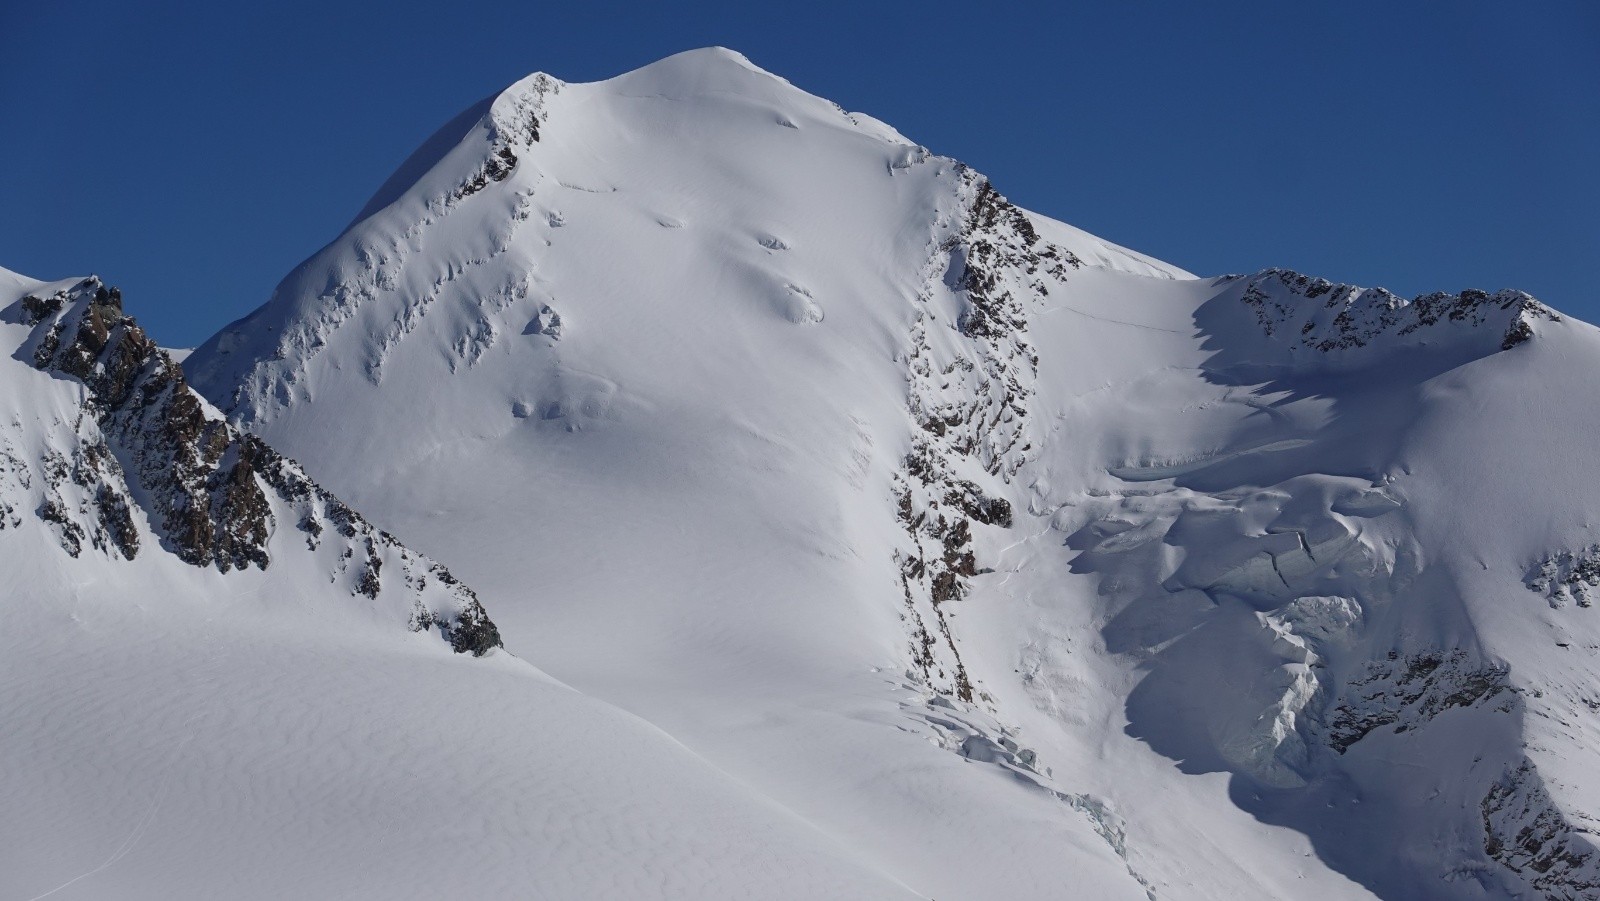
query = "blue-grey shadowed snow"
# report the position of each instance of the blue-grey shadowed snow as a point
(1294, 633)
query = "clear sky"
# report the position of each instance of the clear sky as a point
(195, 152)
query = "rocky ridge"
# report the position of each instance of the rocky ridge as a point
(1302, 313)
(970, 374)
(211, 495)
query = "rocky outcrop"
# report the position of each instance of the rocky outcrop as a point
(1567, 577)
(212, 494)
(196, 475)
(513, 122)
(546, 322)
(1000, 249)
(84, 499)
(1307, 314)
(1407, 691)
(970, 376)
(1525, 832)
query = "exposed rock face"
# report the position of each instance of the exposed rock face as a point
(194, 473)
(1525, 832)
(514, 123)
(1408, 691)
(1000, 244)
(969, 384)
(84, 497)
(212, 494)
(1312, 314)
(1567, 577)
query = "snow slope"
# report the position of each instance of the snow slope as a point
(222, 682)
(1020, 564)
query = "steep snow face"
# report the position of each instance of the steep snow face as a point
(665, 357)
(565, 197)
(222, 681)
(1011, 558)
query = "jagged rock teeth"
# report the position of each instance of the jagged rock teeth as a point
(1346, 317)
(209, 490)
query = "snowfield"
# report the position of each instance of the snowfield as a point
(879, 538)
(178, 728)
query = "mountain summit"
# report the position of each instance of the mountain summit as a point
(960, 553)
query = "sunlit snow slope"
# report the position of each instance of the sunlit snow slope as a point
(221, 682)
(1018, 563)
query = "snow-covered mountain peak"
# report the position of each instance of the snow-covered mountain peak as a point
(704, 70)
(485, 138)
(680, 162)
(805, 432)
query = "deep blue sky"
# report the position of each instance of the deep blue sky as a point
(194, 153)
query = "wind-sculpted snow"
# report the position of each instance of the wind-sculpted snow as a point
(160, 745)
(366, 277)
